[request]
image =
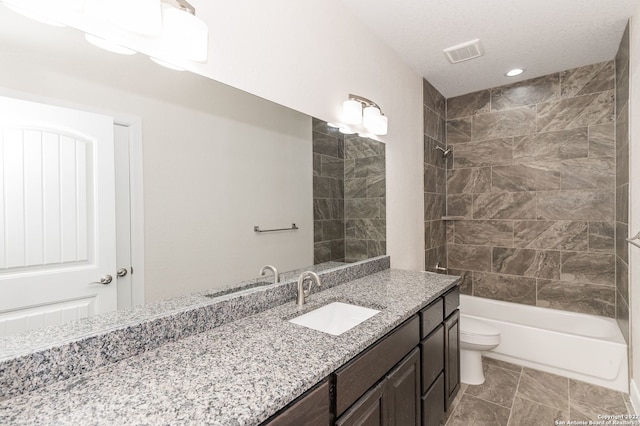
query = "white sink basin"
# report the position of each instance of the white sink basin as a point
(334, 318)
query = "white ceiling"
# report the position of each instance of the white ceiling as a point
(542, 36)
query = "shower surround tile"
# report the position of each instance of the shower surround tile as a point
(459, 130)
(525, 177)
(469, 181)
(592, 268)
(470, 104)
(460, 205)
(509, 288)
(484, 232)
(602, 140)
(502, 124)
(526, 262)
(581, 111)
(485, 153)
(546, 146)
(577, 297)
(553, 235)
(509, 205)
(594, 78)
(527, 92)
(588, 173)
(576, 205)
(601, 236)
(539, 157)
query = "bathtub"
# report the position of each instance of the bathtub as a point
(584, 347)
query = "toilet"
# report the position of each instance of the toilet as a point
(476, 336)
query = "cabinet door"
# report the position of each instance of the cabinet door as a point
(452, 357)
(402, 392)
(433, 403)
(311, 409)
(370, 410)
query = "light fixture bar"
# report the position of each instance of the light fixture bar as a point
(182, 5)
(365, 101)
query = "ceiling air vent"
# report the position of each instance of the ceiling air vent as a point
(464, 51)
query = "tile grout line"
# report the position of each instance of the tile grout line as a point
(515, 395)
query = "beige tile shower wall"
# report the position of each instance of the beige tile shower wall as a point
(533, 176)
(622, 184)
(435, 242)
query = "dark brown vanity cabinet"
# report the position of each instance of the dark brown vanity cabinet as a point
(407, 378)
(390, 369)
(440, 356)
(311, 409)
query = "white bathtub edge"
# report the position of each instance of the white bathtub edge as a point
(634, 395)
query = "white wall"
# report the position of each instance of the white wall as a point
(309, 55)
(634, 203)
(217, 161)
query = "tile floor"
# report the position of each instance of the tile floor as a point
(519, 396)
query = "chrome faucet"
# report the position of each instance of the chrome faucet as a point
(276, 275)
(302, 293)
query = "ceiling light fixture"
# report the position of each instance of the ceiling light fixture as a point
(514, 72)
(361, 111)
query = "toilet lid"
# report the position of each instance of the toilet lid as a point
(472, 326)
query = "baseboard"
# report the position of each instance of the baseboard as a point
(634, 395)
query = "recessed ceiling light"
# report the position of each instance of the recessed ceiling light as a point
(514, 72)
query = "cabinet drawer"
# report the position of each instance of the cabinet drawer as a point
(451, 301)
(431, 317)
(433, 403)
(432, 352)
(313, 409)
(359, 374)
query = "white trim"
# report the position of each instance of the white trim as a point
(137, 205)
(634, 395)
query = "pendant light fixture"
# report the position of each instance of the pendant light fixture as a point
(361, 111)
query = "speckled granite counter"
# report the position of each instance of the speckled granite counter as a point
(237, 374)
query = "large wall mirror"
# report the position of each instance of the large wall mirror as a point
(206, 163)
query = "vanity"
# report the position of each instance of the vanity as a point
(408, 377)
(398, 367)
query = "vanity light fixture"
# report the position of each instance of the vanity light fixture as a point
(514, 72)
(183, 33)
(166, 64)
(140, 16)
(108, 45)
(361, 111)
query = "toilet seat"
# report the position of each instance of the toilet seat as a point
(478, 332)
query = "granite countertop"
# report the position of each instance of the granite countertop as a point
(237, 374)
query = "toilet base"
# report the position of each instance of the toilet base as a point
(471, 367)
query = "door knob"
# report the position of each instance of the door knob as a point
(122, 272)
(105, 279)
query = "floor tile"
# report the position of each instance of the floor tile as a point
(476, 412)
(501, 364)
(544, 388)
(596, 396)
(454, 404)
(525, 412)
(499, 386)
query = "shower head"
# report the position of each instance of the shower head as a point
(445, 152)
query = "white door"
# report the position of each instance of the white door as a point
(57, 215)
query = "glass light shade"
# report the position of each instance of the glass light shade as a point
(108, 45)
(166, 64)
(346, 131)
(379, 125)
(138, 16)
(370, 117)
(352, 112)
(184, 35)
